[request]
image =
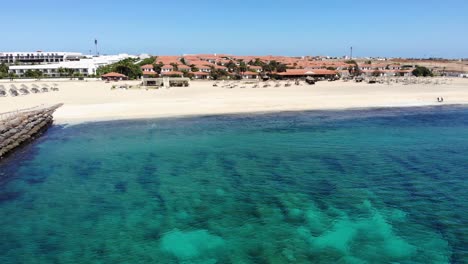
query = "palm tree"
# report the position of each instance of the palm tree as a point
(176, 67)
(61, 71)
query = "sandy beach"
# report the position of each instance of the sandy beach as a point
(86, 101)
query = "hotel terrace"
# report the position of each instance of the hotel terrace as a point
(38, 57)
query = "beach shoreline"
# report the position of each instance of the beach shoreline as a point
(95, 101)
(86, 119)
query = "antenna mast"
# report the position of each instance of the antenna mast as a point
(96, 45)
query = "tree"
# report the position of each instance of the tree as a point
(188, 74)
(176, 67)
(61, 71)
(217, 74)
(157, 67)
(281, 67)
(257, 62)
(231, 66)
(331, 68)
(3, 70)
(422, 71)
(183, 61)
(125, 66)
(194, 68)
(353, 68)
(242, 66)
(149, 60)
(69, 72)
(12, 75)
(274, 66)
(37, 74)
(376, 73)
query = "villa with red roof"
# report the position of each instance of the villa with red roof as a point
(167, 68)
(204, 68)
(300, 73)
(172, 73)
(184, 68)
(201, 75)
(250, 75)
(255, 68)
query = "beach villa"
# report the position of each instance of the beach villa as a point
(167, 68)
(250, 75)
(255, 68)
(184, 68)
(147, 68)
(204, 68)
(201, 75)
(148, 71)
(302, 73)
(172, 73)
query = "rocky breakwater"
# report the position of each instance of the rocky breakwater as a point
(23, 126)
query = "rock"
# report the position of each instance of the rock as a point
(23, 127)
(192, 244)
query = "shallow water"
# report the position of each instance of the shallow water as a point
(376, 186)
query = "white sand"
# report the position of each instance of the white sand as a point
(95, 101)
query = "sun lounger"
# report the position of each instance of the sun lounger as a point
(23, 91)
(14, 92)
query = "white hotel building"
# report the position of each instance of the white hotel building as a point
(85, 66)
(38, 57)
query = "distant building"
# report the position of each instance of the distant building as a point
(167, 68)
(255, 68)
(147, 68)
(250, 75)
(184, 68)
(201, 75)
(38, 57)
(85, 67)
(172, 73)
(299, 73)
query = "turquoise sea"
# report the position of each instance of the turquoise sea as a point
(363, 186)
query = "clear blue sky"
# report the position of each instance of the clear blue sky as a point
(417, 28)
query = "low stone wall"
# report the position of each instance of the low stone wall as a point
(22, 127)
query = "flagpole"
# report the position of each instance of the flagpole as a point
(96, 44)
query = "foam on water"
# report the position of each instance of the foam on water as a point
(322, 187)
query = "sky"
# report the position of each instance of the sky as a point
(416, 28)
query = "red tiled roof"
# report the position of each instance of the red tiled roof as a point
(249, 73)
(150, 73)
(147, 66)
(300, 72)
(113, 74)
(201, 73)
